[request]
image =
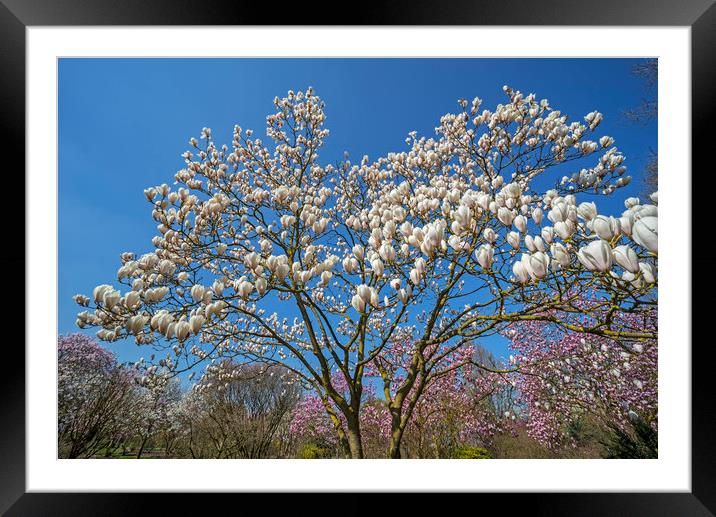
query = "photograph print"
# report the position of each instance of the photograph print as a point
(314, 258)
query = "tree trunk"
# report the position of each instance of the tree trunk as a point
(394, 451)
(141, 447)
(354, 438)
(396, 436)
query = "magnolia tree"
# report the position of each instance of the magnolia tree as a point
(564, 376)
(97, 399)
(268, 253)
(156, 414)
(237, 410)
(456, 407)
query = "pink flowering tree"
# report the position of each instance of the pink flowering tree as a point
(450, 399)
(317, 420)
(268, 253)
(97, 399)
(562, 376)
(456, 406)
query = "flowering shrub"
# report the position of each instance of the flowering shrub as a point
(312, 452)
(472, 453)
(414, 254)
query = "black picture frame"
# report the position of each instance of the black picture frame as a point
(700, 15)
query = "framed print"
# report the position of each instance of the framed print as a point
(420, 239)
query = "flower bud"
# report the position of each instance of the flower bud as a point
(537, 215)
(489, 235)
(197, 292)
(484, 256)
(648, 273)
(587, 211)
(605, 227)
(505, 216)
(521, 274)
(358, 303)
(560, 254)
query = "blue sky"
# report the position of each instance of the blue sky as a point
(123, 124)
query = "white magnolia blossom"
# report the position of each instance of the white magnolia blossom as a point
(530, 243)
(197, 292)
(536, 264)
(166, 267)
(489, 235)
(605, 227)
(587, 211)
(534, 243)
(596, 256)
(136, 323)
(244, 288)
(505, 216)
(631, 202)
(196, 322)
(182, 330)
(81, 299)
(377, 266)
(627, 258)
(644, 232)
(364, 296)
(559, 213)
(462, 219)
(484, 256)
(537, 215)
(648, 272)
(547, 234)
(625, 224)
(387, 252)
(132, 300)
(564, 229)
(101, 291)
(560, 254)
(521, 273)
(358, 251)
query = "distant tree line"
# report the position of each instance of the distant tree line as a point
(110, 410)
